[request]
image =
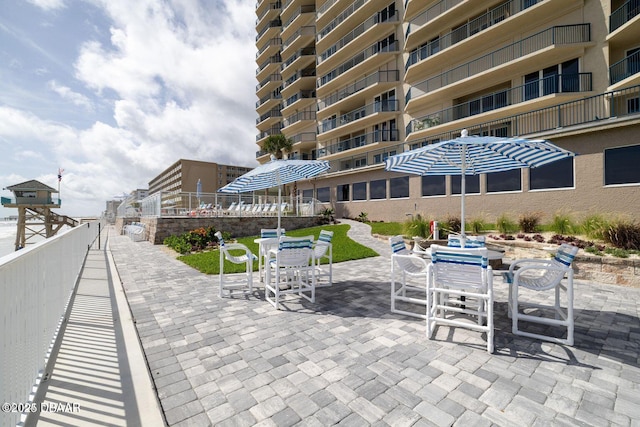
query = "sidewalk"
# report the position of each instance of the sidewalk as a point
(345, 360)
(100, 375)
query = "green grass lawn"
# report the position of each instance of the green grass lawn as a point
(344, 249)
(386, 228)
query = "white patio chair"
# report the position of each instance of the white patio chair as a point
(323, 249)
(292, 270)
(267, 246)
(231, 208)
(412, 287)
(542, 275)
(460, 290)
(227, 287)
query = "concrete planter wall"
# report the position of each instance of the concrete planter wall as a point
(158, 229)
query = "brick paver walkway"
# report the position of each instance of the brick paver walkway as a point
(347, 360)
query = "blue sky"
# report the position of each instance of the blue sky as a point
(115, 91)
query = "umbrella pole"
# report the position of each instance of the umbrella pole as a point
(279, 207)
(463, 179)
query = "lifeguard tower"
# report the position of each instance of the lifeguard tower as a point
(34, 201)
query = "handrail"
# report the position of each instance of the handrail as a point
(623, 14)
(624, 68)
(564, 34)
(371, 79)
(359, 113)
(561, 83)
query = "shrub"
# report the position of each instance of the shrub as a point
(477, 225)
(562, 224)
(624, 235)
(595, 227)
(505, 225)
(529, 222)
(193, 240)
(451, 224)
(363, 217)
(417, 226)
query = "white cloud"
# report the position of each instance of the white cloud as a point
(48, 4)
(69, 95)
(179, 76)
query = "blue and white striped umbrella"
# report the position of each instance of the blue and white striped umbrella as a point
(472, 155)
(276, 173)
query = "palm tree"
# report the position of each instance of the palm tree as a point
(277, 144)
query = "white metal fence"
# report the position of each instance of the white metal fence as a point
(36, 284)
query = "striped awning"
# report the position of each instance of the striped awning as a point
(472, 155)
(276, 173)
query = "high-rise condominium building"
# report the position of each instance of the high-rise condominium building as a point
(355, 81)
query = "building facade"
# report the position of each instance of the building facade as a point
(356, 81)
(180, 180)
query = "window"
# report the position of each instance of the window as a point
(504, 181)
(621, 165)
(399, 187)
(378, 189)
(433, 185)
(307, 195)
(360, 191)
(472, 184)
(557, 174)
(323, 194)
(343, 192)
(633, 105)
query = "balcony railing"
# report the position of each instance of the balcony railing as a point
(271, 24)
(559, 35)
(308, 30)
(299, 116)
(311, 8)
(309, 72)
(307, 51)
(561, 83)
(341, 17)
(273, 95)
(304, 137)
(272, 6)
(625, 68)
(303, 94)
(275, 59)
(623, 14)
(322, 9)
(361, 141)
(375, 19)
(276, 77)
(273, 131)
(359, 113)
(276, 41)
(370, 80)
(357, 59)
(433, 12)
(269, 114)
(598, 108)
(475, 26)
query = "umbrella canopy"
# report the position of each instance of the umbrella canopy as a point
(471, 155)
(276, 173)
(199, 189)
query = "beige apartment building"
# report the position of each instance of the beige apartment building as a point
(178, 183)
(356, 81)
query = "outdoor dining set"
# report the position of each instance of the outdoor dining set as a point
(449, 284)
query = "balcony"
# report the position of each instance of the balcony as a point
(302, 95)
(411, 7)
(264, 134)
(272, 29)
(272, 116)
(624, 14)
(299, 117)
(376, 19)
(494, 16)
(301, 59)
(389, 106)
(302, 80)
(304, 14)
(268, 84)
(301, 38)
(263, 8)
(571, 84)
(270, 66)
(271, 99)
(364, 140)
(375, 81)
(613, 105)
(357, 60)
(504, 61)
(270, 48)
(267, 14)
(626, 69)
